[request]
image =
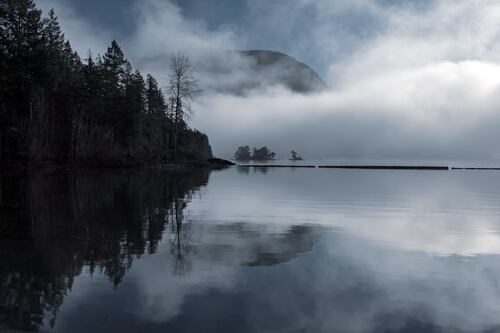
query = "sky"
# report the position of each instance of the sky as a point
(408, 79)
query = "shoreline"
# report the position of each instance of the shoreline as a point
(360, 167)
(371, 167)
(221, 164)
(48, 166)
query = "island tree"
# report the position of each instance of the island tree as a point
(260, 154)
(263, 154)
(243, 154)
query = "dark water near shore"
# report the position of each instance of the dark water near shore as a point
(250, 250)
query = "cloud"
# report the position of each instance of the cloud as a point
(453, 104)
(161, 29)
(424, 86)
(446, 31)
(411, 79)
(83, 35)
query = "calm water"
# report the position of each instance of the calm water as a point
(491, 163)
(250, 250)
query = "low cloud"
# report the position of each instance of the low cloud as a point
(425, 86)
(412, 79)
(161, 30)
(443, 110)
(83, 35)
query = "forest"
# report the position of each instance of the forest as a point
(57, 108)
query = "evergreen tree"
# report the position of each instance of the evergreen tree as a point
(4, 120)
(22, 61)
(243, 154)
(53, 39)
(54, 78)
(134, 109)
(263, 154)
(156, 122)
(115, 70)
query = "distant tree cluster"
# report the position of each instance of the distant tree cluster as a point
(262, 154)
(57, 107)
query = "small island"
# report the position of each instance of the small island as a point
(262, 154)
(295, 156)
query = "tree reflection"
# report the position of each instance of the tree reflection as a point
(260, 169)
(54, 225)
(180, 244)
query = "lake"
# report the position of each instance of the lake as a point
(250, 250)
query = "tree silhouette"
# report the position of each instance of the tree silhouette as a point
(243, 154)
(56, 108)
(263, 154)
(182, 87)
(180, 247)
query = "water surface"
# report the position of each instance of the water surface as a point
(250, 250)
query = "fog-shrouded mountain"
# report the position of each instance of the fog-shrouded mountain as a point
(276, 68)
(241, 72)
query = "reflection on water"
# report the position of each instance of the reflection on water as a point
(54, 225)
(248, 251)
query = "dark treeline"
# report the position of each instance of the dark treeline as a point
(56, 107)
(54, 226)
(244, 153)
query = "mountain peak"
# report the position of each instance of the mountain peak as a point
(276, 68)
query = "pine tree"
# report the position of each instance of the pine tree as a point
(115, 71)
(55, 68)
(22, 58)
(4, 119)
(87, 130)
(115, 68)
(54, 45)
(134, 109)
(157, 123)
(53, 36)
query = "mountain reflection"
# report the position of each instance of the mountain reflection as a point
(52, 225)
(253, 246)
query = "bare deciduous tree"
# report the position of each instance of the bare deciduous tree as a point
(182, 88)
